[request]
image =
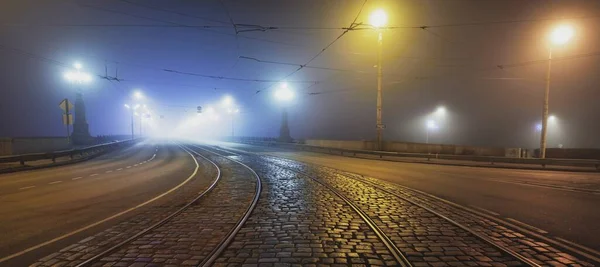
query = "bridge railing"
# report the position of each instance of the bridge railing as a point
(65, 153)
(587, 163)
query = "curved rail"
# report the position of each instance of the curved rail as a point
(387, 241)
(106, 252)
(208, 261)
(486, 239)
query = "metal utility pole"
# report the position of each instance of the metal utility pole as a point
(68, 121)
(232, 122)
(380, 125)
(132, 136)
(545, 108)
(141, 124)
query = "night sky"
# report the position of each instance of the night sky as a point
(440, 52)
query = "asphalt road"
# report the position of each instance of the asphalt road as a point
(41, 205)
(565, 204)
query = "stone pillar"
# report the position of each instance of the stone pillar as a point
(284, 131)
(81, 132)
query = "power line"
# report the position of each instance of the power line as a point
(205, 28)
(230, 78)
(62, 64)
(35, 56)
(298, 65)
(353, 24)
(173, 12)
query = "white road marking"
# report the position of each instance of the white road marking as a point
(105, 219)
(76, 178)
(55, 182)
(128, 167)
(108, 171)
(27, 187)
(527, 226)
(119, 169)
(93, 174)
(135, 165)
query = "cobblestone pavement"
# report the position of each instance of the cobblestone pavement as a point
(386, 208)
(185, 239)
(299, 222)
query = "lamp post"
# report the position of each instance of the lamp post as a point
(378, 19)
(284, 95)
(137, 95)
(431, 125)
(559, 36)
(232, 112)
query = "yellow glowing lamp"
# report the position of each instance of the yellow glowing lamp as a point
(378, 18)
(562, 35)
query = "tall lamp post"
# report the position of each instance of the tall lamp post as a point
(431, 125)
(135, 96)
(378, 19)
(559, 36)
(133, 109)
(233, 112)
(81, 132)
(284, 94)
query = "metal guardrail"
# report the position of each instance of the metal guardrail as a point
(64, 153)
(381, 154)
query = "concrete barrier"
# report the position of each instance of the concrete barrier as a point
(405, 147)
(27, 145)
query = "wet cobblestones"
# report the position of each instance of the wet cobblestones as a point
(536, 250)
(299, 222)
(424, 238)
(183, 241)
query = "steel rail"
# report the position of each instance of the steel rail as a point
(387, 241)
(587, 254)
(214, 254)
(106, 252)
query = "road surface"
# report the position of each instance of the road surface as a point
(41, 205)
(565, 204)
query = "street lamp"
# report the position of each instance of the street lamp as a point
(559, 36)
(138, 95)
(441, 111)
(284, 94)
(431, 125)
(227, 101)
(378, 19)
(133, 109)
(232, 112)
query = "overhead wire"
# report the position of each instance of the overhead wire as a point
(353, 24)
(205, 28)
(173, 12)
(299, 65)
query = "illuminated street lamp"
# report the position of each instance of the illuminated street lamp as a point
(284, 94)
(378, 19)
(440, 111)
(227, 101)
(137, 95)
(430, 126)
(559, 36)
(133, 109)
(233, 112)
